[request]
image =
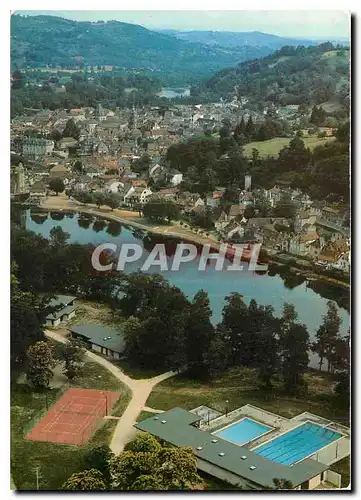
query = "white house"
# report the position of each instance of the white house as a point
(176, 177)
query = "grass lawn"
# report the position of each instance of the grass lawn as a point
(57, 462)
(135, 372)
(143, 415)
(239, 387)
(273, 146)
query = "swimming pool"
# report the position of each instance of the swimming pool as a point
(297, 444)
(243, 431)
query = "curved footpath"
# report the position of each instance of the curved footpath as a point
(140, 389)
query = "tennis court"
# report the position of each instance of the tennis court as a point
(74, 418)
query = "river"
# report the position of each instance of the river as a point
(274, 287)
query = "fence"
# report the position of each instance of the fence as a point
(49, 400)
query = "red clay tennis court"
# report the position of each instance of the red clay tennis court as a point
(74, 418)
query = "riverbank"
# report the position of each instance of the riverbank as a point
(128, 217)
(131, 218)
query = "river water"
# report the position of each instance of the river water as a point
(274, 287)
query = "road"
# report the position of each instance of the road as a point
(140, 391)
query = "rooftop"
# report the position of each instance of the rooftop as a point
(175, 426)
(101, 336)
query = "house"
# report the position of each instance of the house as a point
(38, 188)
(343, 263)
(169, 193)
(67, 142)
(65, 309)
(114, 186)
(332, 215)
(106, 341)
(175, 177)
(37, 147)
(274, 195)
(58, 171)
(301, 244)
(243, 464)
(303, 218)
(137, 194)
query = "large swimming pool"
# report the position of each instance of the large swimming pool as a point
(243, 431)
(297, 444)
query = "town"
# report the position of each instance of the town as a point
(180, 253)
(122, 154)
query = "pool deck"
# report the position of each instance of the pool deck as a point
(281, 425)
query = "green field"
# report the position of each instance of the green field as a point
(273, 146)
(56, 462)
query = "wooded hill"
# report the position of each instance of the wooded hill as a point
(291, 75)
(38, 41)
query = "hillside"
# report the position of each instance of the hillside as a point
(38, 41)
(237, 39)
(291, 75)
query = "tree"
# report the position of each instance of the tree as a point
(327, 335)
(294, 352)
(157, 467)
(58, 237)
(56, 185)
(78, 167)
(236, 329)
(294, 157)
(99, 198)
(72, 353)
(112, 200)
(285, 208)
(88, 480)
(161, 209)
(199, 333)
(83, 196)
(28, 314)
(98, 458)
(40, 364)
(144, 443)
(71, 130)
(249, 129)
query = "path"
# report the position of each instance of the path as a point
(140, 389)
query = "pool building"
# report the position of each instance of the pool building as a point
(251, 447)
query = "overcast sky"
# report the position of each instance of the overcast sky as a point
(285, 23)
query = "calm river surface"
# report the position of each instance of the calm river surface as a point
(270, 288)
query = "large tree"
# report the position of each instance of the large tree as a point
(88, 480)
(40, 363)
(99, 458)
(327, 335)
(236, 330)
(56, 185)
(71, 130)
(149, 465)
(161, 209)
(295, 359)
(199, 333)
(28, 314)
(72, 354)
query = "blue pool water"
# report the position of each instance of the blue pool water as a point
(243, 431)
(297, 444)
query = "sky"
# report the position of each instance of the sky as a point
(292, 23)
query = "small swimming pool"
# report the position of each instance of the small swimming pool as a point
(243, 431)
(297, 444)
